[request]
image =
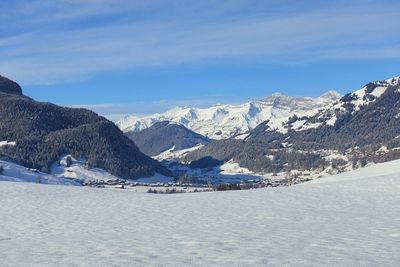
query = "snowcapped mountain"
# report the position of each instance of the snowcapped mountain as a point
(350, 103)
(224, 121)
(361, 127)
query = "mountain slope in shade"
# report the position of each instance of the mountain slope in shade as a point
(40, 133)
(224, 121)
(162, 136)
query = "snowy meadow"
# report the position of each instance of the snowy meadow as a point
(350, 219)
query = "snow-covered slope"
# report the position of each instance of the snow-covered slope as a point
(65, 174)
(351, 102)
(346, 220)
(223, 121)
(7, 143)
(79, 170)
(372, 171)
(16, 173)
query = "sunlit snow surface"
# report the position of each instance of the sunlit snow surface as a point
(352, 219)
(16, 173)
(7, 143)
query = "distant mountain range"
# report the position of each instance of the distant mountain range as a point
(225, 121)
(279, 134)
(267, 138)
(360, 127)
(35, 135)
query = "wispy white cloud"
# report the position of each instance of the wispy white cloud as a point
(59, 54)
(116, 111)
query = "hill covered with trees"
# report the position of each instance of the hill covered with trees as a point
(43, 132)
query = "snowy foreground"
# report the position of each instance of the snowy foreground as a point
(352, 219)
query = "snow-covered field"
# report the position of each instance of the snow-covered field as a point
(352, 219)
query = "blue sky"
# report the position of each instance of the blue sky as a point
(119, 57)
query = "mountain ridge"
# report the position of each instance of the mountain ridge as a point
(362, 126)
(225, 120)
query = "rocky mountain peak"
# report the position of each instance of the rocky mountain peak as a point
(331, 95)
(394, 81)
(9, 87)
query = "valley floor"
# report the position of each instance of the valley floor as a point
(352, 219)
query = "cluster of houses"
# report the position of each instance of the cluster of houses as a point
(243, 185)
(122, 183)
